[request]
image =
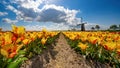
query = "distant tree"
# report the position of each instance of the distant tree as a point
(97, 27)
(113, 27)
(92, 28)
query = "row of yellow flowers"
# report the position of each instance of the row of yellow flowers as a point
(99, 46)
(109, 40)
(11, 42)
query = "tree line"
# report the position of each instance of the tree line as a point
(111, 27)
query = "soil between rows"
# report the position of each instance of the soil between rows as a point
(60, 55)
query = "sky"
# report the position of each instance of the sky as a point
(58, 14)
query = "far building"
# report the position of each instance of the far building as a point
(0, 29)
(82, 25)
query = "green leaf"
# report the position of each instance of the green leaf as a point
(9, 60)
(22, 52)
(16, 63)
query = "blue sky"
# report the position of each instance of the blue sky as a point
(58, 14)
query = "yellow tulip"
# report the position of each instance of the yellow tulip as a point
(82, 46)
(44, 30)
(72, 37)
(18, 40)
(14, 29)
(4, 52)
(43, 40)
(21, 30)
(25, 41)
(8, 38)
(40, 35)
(93, 40)
(33, 36)
(84, 39)
(110, 45)
(18, 30)
(19, 47)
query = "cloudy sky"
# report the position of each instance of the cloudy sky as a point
(58, 14)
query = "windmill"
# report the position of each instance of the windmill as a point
(0, 29)
(82, 25)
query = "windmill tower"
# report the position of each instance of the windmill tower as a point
(0, 29)
(82, 24)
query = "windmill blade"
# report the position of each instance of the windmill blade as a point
(84, 23)
(78, 24)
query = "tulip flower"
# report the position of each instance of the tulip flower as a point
(82, 46)
(4, 52)
(32, 36)
(22, 37)
(110, 45)
(11, 55)
(25, 41)
(44, 30)
(43, 40)
(7, 38)
(18, 30)
(14, 38)
(118, 51)
(14, 29)
(93, 40)
(21, 30)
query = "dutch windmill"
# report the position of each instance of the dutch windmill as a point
(0, 29)
(82, 24)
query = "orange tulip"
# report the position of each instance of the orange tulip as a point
(14, 38)
(11, 55)
(22, 38)
(3, 43)
(118, 51)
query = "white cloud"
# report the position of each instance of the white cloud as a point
(9, 7)
(44, 11)
(7, 20)
(57, 14)
(3, 13)
(29, 4)
(29, 10)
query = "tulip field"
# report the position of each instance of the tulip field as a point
(100, 46)
(19, 45)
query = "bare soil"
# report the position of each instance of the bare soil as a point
(60, 55)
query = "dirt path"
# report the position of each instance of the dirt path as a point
(66, 57)
(58, 55)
